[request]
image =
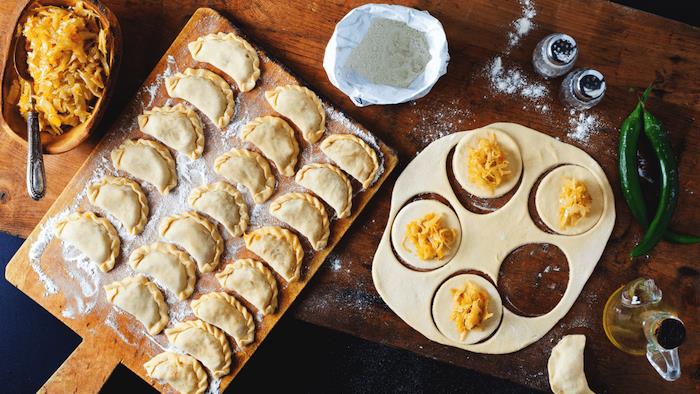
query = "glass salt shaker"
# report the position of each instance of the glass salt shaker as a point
(555, 55)
(582, 88)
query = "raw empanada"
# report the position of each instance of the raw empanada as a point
(177, 127)
(142, 299)
(205, 90)
(276, 140)
(279, 247)
(249, 169)
(225, 312)
(306, 214)
(204, 342)
(302, 107)
(148, 161)
(123, 199)
(329, 183)
(252, 281)
(171, 268)
(222, 202)
(197, 235)
(353, 156)
(180, 371)
(94, 236)
(230, 54)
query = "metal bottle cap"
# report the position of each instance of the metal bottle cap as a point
(589, 85)
(670, 334)
(561, 49)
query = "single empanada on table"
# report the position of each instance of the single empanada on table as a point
(197, 235)
(279, 247)
(329, 183)
(253, 281)
(231, 54)
(353, 156)
(207, 91)
(248, 168)
(148, 161)
(94, 236)
(204, 342)
(180, 371)
(222, 202)
(142, 299)
(276, 140)
(304, 213)
(122, 198)
(302, 107)
(172, 268)
(225, 312)
(177, 127)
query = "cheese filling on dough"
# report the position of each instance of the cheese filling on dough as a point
(430, 237)
(488, 166)
(574, 202)
(469, 307)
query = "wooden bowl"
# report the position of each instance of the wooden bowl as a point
(13, 122)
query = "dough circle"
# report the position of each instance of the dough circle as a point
(442, 309)
(417, 210)
(460, 162)
(547, 198)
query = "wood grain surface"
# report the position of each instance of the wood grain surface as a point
(629, 47)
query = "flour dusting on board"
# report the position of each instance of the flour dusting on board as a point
(437, 119)
(80, 282)
(523, 25)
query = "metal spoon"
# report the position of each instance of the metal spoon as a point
(36, 177)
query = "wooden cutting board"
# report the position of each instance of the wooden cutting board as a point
(111, 337)
(630, 47)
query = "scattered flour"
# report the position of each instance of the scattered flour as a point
(436, 120)
(512, 81)
(583, 126)
(523, 25)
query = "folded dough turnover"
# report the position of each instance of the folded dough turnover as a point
(276, 140)
(207, 91)
(230, 54)
(565, 366)
(306, 214)
(249, 169)
(142, 299)
(148, 161)
(123, 199)
(204, 342)
(279, 247)
(94, 236)
(329, 183)
(302, 107)
(253, 281)
(225, 312)
(171, 268)
(198, 236)
(177, 127)
(180, 371)
(223, 203)
(353, 156)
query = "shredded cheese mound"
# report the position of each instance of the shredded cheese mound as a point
(488, 166)
(469, 307)
(574, 202)
(67, 58)
(430, 237)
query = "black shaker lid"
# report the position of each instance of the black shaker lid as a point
(671, 333)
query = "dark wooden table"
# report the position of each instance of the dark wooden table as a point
(630, 47)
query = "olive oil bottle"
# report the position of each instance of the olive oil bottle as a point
(638, 322)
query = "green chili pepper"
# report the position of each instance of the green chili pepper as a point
(669, 184)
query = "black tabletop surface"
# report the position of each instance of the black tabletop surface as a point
(33, 344)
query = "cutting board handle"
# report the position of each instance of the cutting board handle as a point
(85, 371)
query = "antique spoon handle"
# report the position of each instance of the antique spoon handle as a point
(36, 177)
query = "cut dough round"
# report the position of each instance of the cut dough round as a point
(442, 309)
(460, 162)
(417, 210)
(547, 198)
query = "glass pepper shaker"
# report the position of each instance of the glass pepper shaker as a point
(555, 55)
(582, 88)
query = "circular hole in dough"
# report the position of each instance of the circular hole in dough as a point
(460, 162)
(533, 278)
(416, 210)
(442, 309)
(547, 199)
(473, 203)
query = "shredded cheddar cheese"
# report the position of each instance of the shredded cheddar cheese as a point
(469, 307)
(488, 166)
(574, 202)
(430, 237)
(67, 58)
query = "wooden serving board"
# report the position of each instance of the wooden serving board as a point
(111, 337)
(630, 47)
